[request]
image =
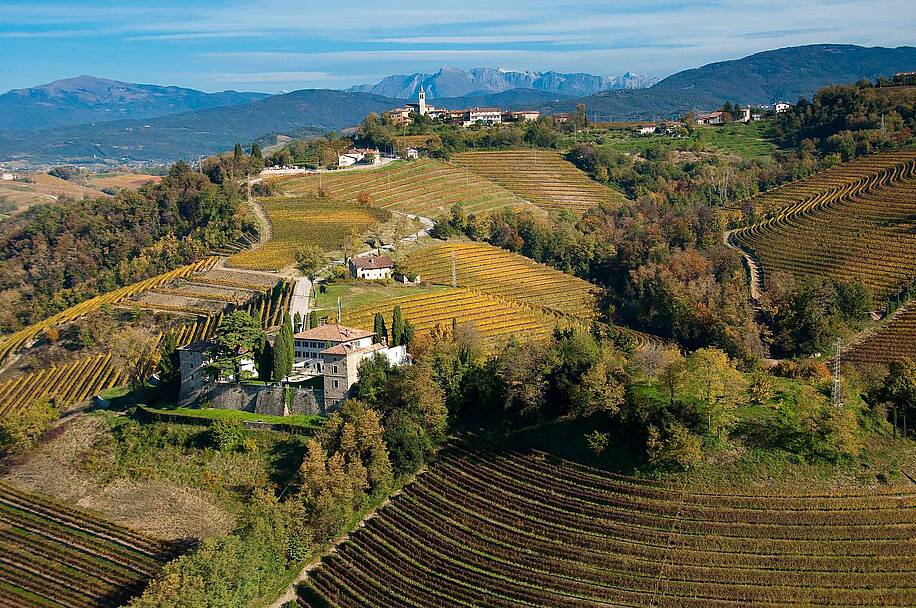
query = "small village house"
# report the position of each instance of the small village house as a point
(781, 107)
(7, 177)
(647, 129)
(520, 116)
(711, 118)
(371, 267)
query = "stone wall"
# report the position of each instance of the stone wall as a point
(267, 400)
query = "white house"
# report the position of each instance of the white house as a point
(7, 177)
(485, 115)
(781, 107)
(647, 129)
(308, 344)
(413, 154)
(745, 114)
(521, 116)
(711, 118)
(371, 267)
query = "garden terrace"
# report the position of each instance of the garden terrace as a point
(58, 556)
(231, 278)
(423, 187)
(894, 340)
(509, 529)
(544, 178)
(506, 275)
(175, 303)
(306, 220)
(861, 232)
(494, 318)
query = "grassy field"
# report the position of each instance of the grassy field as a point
(303, 220)
(752, 141)
(423, 187)
(300, 420)
(541, 177)
(359, 294)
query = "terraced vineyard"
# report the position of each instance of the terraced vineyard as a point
(495, 318)
(894, 340)
(524, 529)
(15, 341)
(53, 556)
(861, 229)
(836, 179)
(82, 378)
(423, 187)
(545, 178)
(506, 275)
(306, 220)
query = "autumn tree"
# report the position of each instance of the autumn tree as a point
(135, 351)
(310, 260)
(713, 380)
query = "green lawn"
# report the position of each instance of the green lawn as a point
(751, 141)
(301, 420)
(356, 294)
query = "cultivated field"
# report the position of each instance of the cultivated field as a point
(495, 319)
(893, 340)
(54, 556)
(525, 529)
(859, 229)
(544, 178)
(423, 187)
(306, 220)
(41, 188)
(123, 180)
(506, 275)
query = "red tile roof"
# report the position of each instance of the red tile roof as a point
(333, 333)
(346, 349)
(372, 262)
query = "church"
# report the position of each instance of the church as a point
(402, 115)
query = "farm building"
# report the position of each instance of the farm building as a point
(711, 118)
(371, 267)
(341, 367)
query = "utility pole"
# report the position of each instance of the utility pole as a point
(837, 396)
(454, 272)
(338, 310)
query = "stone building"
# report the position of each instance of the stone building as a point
(309, 344)
(341, 368)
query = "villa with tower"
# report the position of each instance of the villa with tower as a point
(467, 117)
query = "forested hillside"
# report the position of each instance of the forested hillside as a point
(56, 255)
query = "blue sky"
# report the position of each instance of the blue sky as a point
(268, 45)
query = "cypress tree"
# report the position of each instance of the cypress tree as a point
(169, 366)
(408, 332)
(288, 345)
(256, 151)
(397, 326)
(263, 359)
(381, 333)
(313, 319)
(297, 322)
(283, 351)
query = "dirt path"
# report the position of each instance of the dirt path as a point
(756, 274)
(266, 230)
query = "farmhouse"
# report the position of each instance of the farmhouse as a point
(711, 118)
(341, 367)
(371, 267)
(308, 345)
(781, 107)
(521, 116)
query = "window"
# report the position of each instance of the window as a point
(334, 367)
(336, 383)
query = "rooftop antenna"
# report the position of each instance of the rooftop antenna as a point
(837, 393)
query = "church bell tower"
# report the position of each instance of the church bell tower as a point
(422, 101)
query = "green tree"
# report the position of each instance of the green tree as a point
(310, 261)
(264, 359)
(256, 151)
(381, 332)
(297, 322)
(21, 428)
(169, 367)
(713, 381)
(397, 326)
(283, 351)
(238, 334)
(313, 319)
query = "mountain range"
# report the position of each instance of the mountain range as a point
(86, 99)
(783, 74)
(454, 82)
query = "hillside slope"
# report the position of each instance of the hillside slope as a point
(85, 99)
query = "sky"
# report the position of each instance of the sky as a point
(272, 45)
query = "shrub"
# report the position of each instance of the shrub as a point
(227, 435)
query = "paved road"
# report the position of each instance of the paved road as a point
(300, 300)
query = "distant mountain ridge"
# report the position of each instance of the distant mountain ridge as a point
(454, 82)
(782, 74)
(84, 99)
